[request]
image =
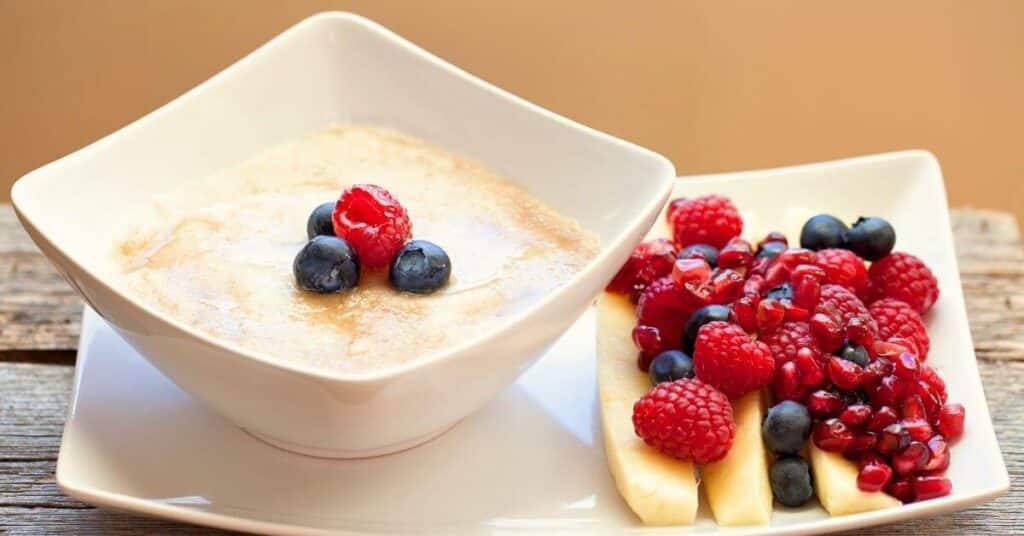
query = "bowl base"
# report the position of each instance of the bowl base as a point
(318, 452)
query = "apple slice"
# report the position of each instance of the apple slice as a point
(835, 483)
(737, 486)
(661, 490)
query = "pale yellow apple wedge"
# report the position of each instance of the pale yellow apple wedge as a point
(737, 486)
(835, 483)
(661, 490)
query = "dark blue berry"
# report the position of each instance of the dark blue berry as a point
(326, 264)
(781, 292)
(420, 267)
(871, 238)
(786, 427)
(704, 251)
(851, 351)
(770, 250)
(822, 232)
(319, 222)
(669, 366)
(708, 313)
(791, 481)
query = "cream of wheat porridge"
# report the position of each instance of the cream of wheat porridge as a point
(217, 253)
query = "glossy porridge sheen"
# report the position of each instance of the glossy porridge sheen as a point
(217, 253)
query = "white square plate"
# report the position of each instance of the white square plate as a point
(531, 460)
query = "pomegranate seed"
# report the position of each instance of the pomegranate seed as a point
(807, 364)
(804, 270)
(887, 349)
(932, 402)
(855, 414)
(760, 266)
(884, 416)
(845, 374)
(902, 488)
(685, 270)
(911, 459)
(919, 429)
(786, 383)
(696, 293)
(929, 376)
(744, 313)
(807, 292)
(832, 435)
(951, 421)
(754, 286)
(794, 313)
(870, 458)
(874, 477)
(823, 403)
(908, 344)
(648, 340)
(770, 314)
(894, 438)
(938, 459)
(905, 366)
(862, 443)
(793, 257)
(774, 236)
(930, 487)
(726, 285)
(913, 408)
(776, 274)
(858, 331)
(737, 253)
(826, 331)
(888, 392)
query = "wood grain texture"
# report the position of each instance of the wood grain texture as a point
(35, 383)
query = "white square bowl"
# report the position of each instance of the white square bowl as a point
(532, 461)
(338, 67)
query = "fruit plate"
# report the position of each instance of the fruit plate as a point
(532, 460)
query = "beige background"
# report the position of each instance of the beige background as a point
(712, 85)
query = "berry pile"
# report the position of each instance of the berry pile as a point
(368, 227)
(832, 328)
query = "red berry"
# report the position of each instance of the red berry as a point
(725, 357)
(664, 306)
(832, 435)
(844, 374)
(709, 219)
(770, 314)
(786, 340)
(874, 477)
(951, 421)
(897, 320)
(929, 376)
(855, 415)
(902, 488)
(906, 278)
(673, 206)
(685, 419)
(911, 459)
(373, 222)
(842, 305)
(844, 268)
(884, 416)
(931, 487)
(738, 253)
(938, 459)
(824, 404)
(649, 260)
(826, 331)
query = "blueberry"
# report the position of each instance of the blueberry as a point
(326, 264)
(822, 232)
(669, 366)
(786, 427)
(319, 222)
(871, 238)
(708, 253)
(420, 267)
(781, 292)
(791, 481)
(851, 351)
(770, 249)
(708, 313)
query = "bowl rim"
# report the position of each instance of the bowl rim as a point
(389, 372)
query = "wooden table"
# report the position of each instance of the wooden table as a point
(39, 322)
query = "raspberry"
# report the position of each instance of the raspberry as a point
(725, 357)
(685, 419)
(842, 305)
(787, 340)
(844, 268)
(673, 206)
(709, 219)
(904, 277)
(897, 319)
(648, 261)
(662, 306)
(373, 221)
